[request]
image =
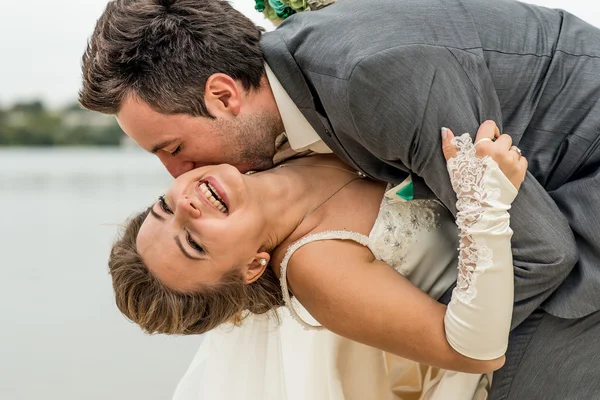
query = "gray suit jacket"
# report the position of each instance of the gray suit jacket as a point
(377, 81)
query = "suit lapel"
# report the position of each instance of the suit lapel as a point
(294, 82)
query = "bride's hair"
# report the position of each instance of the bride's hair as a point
(145, 300)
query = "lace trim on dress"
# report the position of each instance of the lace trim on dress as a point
(325, 235)
(397, 225)
(468, 174)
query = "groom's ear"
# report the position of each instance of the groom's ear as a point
(222, 95)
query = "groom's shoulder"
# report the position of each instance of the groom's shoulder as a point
(332, 41)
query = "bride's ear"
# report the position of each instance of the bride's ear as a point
(256, 267)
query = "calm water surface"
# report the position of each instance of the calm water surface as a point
(61, 336)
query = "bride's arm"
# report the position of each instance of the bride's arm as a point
(355, 296)
(477, 321)
(365, 300)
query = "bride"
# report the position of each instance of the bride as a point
(358, 269)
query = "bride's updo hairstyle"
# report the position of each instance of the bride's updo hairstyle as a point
(145, 300)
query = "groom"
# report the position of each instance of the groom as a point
(195, 82)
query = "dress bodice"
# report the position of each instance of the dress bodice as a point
(417, 238)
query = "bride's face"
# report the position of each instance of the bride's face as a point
(205, 225)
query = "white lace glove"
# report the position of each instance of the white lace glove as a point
(477, 320)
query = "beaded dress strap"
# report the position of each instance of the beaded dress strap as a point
(325, 235)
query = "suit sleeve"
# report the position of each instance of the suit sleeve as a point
(400, 98)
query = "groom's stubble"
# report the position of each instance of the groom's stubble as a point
(250, 139)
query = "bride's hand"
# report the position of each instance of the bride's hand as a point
(489, 142)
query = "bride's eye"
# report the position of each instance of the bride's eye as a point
(163, 205)
(193, 243)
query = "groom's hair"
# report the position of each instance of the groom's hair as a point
(156, 308)
(163, 51)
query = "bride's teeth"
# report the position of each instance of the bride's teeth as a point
(206, 188)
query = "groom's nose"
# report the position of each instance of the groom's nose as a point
(174, 165)
(180, 167)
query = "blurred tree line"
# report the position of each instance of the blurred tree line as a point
(33, 124)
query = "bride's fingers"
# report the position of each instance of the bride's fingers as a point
(487, 132)
(447, 147)
(504, 142)
(484, 140)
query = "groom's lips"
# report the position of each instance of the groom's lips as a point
(218, 188)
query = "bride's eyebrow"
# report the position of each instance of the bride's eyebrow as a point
(185, 253)
(156, 215)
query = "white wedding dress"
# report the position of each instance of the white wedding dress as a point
(264, 359)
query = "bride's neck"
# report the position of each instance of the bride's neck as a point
(290, 193)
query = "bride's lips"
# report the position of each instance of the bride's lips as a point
(217, 187)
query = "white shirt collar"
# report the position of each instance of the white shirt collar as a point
(301, 135)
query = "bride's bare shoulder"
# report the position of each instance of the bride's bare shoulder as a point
(309, 263)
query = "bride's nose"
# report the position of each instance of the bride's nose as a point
(187, 207)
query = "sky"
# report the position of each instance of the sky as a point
(41, 43)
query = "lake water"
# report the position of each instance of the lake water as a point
(61, 335)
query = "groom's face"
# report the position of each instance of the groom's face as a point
(183, 142)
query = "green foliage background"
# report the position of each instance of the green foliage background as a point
(32, 124)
